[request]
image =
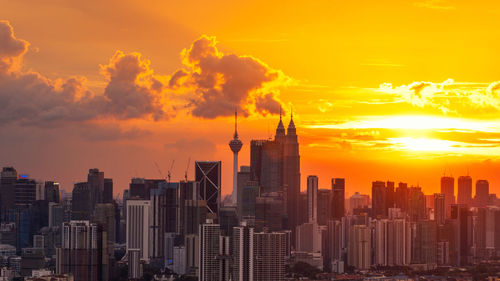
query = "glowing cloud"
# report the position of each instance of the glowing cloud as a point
(221, 83)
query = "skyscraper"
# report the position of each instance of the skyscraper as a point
(243, 253)
(138, 227)
(324, 206)
(291, 176)
(83, 252)
(464, 190)
(235, 144)
(338, 198)
(209, 263)
(482, 193)
(359, 247)
(269, 256)
(95, 180)
(379, 197)
(275, 165)
(439, 208)
(208, 174)
(312, 198)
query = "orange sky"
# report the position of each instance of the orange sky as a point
(381, 90)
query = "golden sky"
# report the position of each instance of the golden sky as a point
(380, 90)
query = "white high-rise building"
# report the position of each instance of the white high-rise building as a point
(243, 252)
(138, 227)
(235, 144)
(392, 242)
(209, 251)
(312, 198)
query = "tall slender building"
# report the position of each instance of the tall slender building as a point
(379, 207)
(209, 251)
(439, 208)
(448, 189)
(243, 253)
(464, 190)
(338, 198)
(235, 144)
(312, 198)
(291, 173)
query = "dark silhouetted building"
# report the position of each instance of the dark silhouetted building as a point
(464, 190)
(379, 196)
(482, 197)
(448, 189)
(208, 174)
(338, 198)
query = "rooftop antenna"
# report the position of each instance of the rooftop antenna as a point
(235, 123)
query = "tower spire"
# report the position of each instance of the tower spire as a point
(235, 123)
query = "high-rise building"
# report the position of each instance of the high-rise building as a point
(464, 190)
(208, 174)
(25, 192)
(247, 199)
(401, 197)
(424, 243)
(138, 227)
(334, 246)
(209, 263)
(83, 252)
(107, 195)
(358, 201)
(312, 198)
(460, 220)
(359, 247)
(338, 198)
(95, 180)
(308, 237)
(52, 192)
(8, 180)
(392, 242)
(324, 206)
(448, 189)
(269, 256)
(291, 177)
(390, 193)
(482, 193)
(269, 212)
(243, 253)
(439, 208)
(224, 258)
(379, 197)
(235, 144)
(193, 210)
(275, 164)
(416, 204)
(81, 205)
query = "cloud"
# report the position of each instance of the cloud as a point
(29, 98)
(434, 4)
(11, 48)
(448, 96)
(221, 83)
(133, 90)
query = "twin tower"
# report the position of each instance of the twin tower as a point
(275, 165)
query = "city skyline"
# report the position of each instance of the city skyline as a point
(364, 92)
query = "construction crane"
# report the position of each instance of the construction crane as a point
(159, 170)
(186, 171)
(169, 171)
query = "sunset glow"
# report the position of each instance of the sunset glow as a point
(124, 84)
